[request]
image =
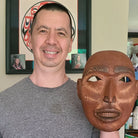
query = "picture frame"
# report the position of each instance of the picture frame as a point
(12, 36)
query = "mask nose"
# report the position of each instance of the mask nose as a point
(109, 92)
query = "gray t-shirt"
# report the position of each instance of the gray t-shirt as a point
(29, 111)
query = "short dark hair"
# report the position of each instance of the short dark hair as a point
(54, 6)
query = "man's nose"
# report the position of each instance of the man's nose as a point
(51, 38)
(109, 92)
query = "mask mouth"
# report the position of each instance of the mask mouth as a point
(108, 115)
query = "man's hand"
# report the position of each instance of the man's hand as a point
(114, 134)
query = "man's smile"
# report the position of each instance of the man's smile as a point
(50, 52)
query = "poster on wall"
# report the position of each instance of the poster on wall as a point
(19, 16)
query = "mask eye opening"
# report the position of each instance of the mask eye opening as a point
(94, 79)
(125, 79)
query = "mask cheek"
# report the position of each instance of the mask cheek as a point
(137, 87)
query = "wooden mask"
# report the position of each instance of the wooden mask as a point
(108, 90)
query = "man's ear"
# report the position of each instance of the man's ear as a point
(70, 46)
(79, 88)
(29, 40)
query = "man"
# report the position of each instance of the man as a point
(108, 89)
(45, 105)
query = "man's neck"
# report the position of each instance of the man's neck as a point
(49, 79)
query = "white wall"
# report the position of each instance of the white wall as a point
(133, 16)
(109, 24)
(109, 31)
(5, 80)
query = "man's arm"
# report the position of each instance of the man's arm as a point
(114, 134)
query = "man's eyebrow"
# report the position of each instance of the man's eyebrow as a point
(43, 26)
(97, 68)
(62, 29)
(119, 69)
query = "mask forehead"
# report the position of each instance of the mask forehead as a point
(109, 61)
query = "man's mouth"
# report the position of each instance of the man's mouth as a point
(50, 52)
(107, 115)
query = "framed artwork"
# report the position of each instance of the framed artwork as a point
(78, 61)
(19, 15)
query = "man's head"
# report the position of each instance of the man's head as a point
(108, 89)
(17, 61)
(54, 6)
(51, 36)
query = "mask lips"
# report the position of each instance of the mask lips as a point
(107, 115)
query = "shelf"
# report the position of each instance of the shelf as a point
(132, 132)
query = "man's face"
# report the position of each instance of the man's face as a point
(108, 90)
(51, 38)
(17, 61)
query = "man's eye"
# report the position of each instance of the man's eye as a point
(61, 33)
(125, 79)
(43, 31)
(94, 79)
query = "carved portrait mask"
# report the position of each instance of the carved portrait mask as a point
(108, 90)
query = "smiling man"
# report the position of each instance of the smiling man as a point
(108, 89)
(45, 104)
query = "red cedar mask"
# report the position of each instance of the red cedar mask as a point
(108, 90)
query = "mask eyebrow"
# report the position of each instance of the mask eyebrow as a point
(123, 69)
(96, 68)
